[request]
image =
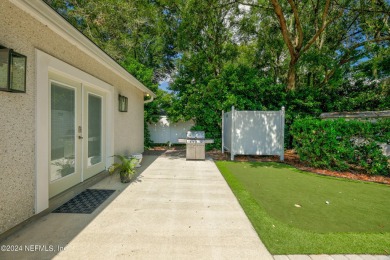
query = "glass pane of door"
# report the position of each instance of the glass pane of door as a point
(94, 129)
(63, 124)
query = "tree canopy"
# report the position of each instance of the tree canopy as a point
(311, 56)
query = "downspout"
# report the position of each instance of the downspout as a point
(149, 100)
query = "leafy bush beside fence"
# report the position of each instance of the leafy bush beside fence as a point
(342, 145)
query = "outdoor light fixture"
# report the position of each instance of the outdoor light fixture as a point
(123, 103)
(12, 71)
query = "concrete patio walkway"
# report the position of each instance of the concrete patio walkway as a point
(176, 209)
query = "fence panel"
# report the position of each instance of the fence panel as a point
(227, 133)
(254, 132)
(164, 131)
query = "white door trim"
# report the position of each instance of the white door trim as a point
(46, 63)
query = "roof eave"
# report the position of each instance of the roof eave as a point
(46, 15)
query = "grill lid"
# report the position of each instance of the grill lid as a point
(196, 135)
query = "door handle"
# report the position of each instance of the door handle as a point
(80, 137)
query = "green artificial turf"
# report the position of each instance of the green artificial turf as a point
(355, 220)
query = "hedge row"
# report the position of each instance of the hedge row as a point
(342, 145)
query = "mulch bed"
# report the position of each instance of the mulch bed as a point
(291, 158)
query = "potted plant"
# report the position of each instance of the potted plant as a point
(125, 168)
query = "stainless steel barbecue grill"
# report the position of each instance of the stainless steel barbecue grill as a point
(196, 145)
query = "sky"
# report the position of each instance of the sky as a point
(163, 85)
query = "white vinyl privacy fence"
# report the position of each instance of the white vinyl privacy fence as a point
(164, 131)
(253, 133)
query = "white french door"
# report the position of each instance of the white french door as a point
(93, 133)
(77, 134)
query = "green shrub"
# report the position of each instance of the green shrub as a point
(381, 131)
(342, 145)
(147, 139)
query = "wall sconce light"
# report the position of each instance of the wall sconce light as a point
(12, 71)
(123, 103)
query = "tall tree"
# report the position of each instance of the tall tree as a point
(299, 37)
(335, 29)
(309, 55)
(143, 30)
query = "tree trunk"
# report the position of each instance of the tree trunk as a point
(291, 75)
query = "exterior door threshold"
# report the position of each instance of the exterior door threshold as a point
(57, 201)
(66, 195)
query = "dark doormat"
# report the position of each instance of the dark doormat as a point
(85, 202)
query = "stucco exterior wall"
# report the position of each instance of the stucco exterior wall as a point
(129, 131)
(23, 33)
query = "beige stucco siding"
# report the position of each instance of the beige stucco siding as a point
(24, 34)
(129, 132)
